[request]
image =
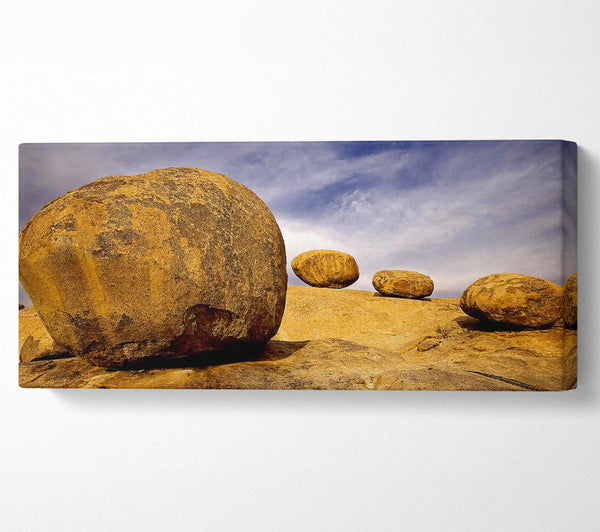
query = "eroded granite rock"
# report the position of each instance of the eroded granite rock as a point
(514, 299)
(326, 268)
(160, 264)
(402, 283)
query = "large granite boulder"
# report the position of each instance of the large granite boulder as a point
(570, 302)
(325, 268)
(513, 299)
(161, 264)
(402, 283)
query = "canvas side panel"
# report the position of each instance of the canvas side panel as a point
(569, 249)
(569, 186)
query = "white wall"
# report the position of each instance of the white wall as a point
(223, 460)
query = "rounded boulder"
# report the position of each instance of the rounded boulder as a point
(163, 264)
(513, 299)
(402, 283)
(326, 268)
(570, 302)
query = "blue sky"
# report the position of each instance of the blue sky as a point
(455, 211)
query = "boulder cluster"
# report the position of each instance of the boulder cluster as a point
(505, 298)
(327, 268)
(162, 264)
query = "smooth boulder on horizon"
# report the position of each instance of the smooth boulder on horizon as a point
(326, 268)
(402, 283)
(162, 264)
(514, 299)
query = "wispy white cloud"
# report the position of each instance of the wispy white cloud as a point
(456, 228)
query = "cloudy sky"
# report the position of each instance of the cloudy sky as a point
(455, 211)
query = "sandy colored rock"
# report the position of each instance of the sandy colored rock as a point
(325, 268)
(427, 343)
(513, 299)
(352, 339)
(363, 317)
(311, 365)
(527, 359)
(570, 301)
(402, 283)
(34, 340)
(159, 264)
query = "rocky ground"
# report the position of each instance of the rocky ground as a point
(340, 339)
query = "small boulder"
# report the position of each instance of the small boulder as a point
(513, 299)
(325, 268)
(162, 264)
(21, 306)
(401, 283)
(570, 302)
(34, 341)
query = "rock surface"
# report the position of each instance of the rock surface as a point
(570, 301)
(351, 339)
(402, 283)
(514, 299)
(158, 264)
(325, 268)
(34, 340)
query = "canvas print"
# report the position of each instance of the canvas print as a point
(299, 265)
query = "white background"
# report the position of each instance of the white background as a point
(224, 460)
